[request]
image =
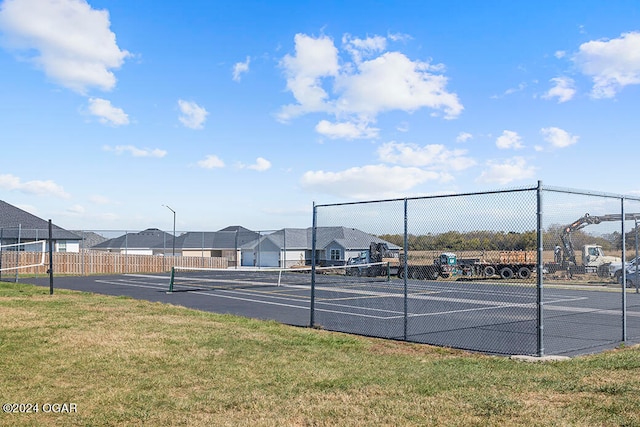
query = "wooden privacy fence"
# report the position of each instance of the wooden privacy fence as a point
(96, 262)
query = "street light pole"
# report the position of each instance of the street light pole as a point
(174, 229)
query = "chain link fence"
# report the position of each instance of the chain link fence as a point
(533, 271)
(86, 252)
(537, 270)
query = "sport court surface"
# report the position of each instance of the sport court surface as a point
(493, 318)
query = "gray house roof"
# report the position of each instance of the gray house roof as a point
(227, 238)
(147, 239)
(89, 238)
(153, 238)
(14, 223)
(301, 238)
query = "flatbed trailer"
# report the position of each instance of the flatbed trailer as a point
(509, 265)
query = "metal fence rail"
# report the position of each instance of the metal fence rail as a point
(511, 286)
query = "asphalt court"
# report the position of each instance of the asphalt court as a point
(494, 318)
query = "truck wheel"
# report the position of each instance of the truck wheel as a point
(401, 273)
(489, 271)
(414, 274)
(506, 273)
(524, 273)
(433, 274)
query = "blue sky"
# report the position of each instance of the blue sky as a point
(245, 113)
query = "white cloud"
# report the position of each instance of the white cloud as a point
(564, 89)
(315, 58)
(193, 116)
(346, 130)
(435, 156)
(37, 187)
(558, 138)
(509, 139)
(463, 137)
(612, 64)
(394, 82)
(135, 151)
(359, 48)
(107, 113)
(240, 68)
(261, 165)
(519, 88)
(356, 92)
(70, 41)
(403, 127)
(399, 37)
(211, 162)
(366, 182)
(510, 170)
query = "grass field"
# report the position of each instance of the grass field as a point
(125, 362)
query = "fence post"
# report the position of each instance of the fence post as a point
(405, 243)
(624, 284)
(313, 265)
(50, 258)
(540, 272)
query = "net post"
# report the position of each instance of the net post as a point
(388, 271)
(173, 274)
(50, 258)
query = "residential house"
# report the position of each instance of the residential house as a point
(19, 226)
(293, 246)
(151, 241)
(225, 243)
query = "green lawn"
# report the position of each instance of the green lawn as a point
(126, 362)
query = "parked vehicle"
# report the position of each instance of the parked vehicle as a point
(615, 269)
(385, 262)
(509, 265)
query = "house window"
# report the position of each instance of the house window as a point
(62, 246)
(336, 254)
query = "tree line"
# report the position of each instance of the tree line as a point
(504, 241)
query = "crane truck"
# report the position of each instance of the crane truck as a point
(594, 259)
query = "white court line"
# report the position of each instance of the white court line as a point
(216, 295)
(491, 304)
(219, 294)
(438, 289)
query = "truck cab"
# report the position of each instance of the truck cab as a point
(593, 256)
(448, 263)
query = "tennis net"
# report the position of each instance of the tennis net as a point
(186, 278)
(22, 256)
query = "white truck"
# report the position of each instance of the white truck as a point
(594, 259)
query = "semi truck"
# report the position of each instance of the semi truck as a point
(508, 265)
